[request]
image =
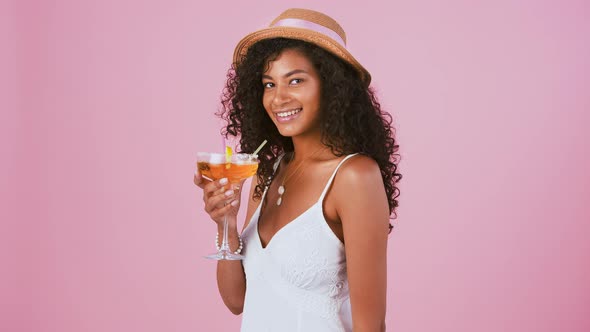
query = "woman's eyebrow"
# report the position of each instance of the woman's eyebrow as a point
(291, 73)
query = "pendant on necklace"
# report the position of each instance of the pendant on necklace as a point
(281, 192)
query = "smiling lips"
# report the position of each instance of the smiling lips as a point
(287, 115)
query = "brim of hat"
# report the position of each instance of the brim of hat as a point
(310, 36)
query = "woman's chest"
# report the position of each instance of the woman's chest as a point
(304, 254)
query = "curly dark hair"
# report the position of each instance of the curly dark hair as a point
(356, 122)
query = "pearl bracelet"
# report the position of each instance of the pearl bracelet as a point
(240, 247)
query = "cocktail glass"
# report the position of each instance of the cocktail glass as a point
(214, 166)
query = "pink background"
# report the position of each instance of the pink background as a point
(105, 104)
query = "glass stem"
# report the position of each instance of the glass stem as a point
(224, 242)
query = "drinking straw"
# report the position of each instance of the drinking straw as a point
(260, 147)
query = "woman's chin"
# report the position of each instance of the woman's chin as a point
(287, 131)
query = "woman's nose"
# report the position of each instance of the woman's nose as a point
(281, 96)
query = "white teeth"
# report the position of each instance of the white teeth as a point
(284, 114)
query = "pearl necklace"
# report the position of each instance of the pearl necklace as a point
(281, 189)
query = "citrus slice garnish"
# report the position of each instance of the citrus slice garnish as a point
(228, 153)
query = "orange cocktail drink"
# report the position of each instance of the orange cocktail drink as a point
(214, 166)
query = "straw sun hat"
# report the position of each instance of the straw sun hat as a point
(307, 25)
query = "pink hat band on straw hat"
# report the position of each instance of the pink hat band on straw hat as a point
(303, 24)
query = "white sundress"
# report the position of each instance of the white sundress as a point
(298, 283)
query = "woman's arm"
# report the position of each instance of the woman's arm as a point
(231, 280)
(365, 222)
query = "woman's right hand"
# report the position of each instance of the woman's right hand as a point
(221, 200)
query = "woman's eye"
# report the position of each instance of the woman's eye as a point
(296, 81)
(268, 85)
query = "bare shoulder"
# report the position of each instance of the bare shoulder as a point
(358, 172)
(359, 180)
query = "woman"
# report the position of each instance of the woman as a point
(317, 220)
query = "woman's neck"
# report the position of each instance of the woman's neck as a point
(310, 147)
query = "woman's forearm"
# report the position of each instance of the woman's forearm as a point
(231, 280)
